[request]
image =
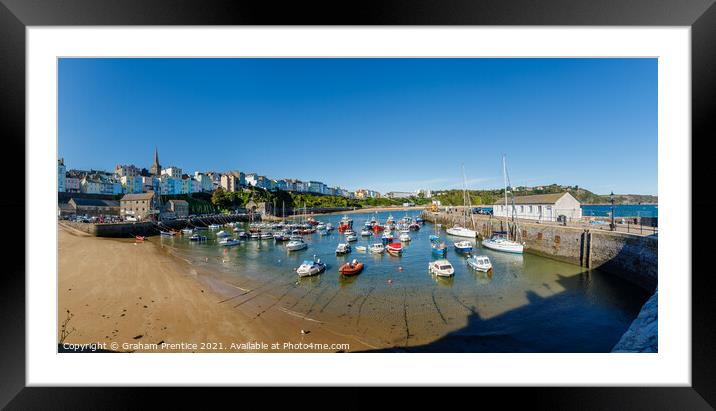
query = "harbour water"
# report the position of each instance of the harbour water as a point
(527, 303)
(623, 210)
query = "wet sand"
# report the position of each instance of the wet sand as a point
(128, 293)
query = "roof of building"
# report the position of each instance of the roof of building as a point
(138, 196)
(94, 202)
(179, 202)
(540, 198)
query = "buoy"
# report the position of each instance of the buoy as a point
(390, 281)
(400, 268)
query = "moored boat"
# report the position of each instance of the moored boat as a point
(187, 231)
(480, 263)
(343, 248)
(309, 268)
(460, 231)
(463, 246)
(405, 237)
(499, 242)
(366, 232)
(352, 268)
(441, 268)
(351, 237)
(167, 233)
(295, 245)
(394, 249)
(377, 248)
(222, 233)
(197, 237)
(361, 248)
(229, 242)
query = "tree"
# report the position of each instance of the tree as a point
(220, 199)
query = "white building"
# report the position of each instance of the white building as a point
(172, 171)
(547, 207)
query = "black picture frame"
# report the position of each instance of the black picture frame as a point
(16, 15)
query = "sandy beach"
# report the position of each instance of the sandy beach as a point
(143, 299)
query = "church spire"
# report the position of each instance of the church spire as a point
(156, 169)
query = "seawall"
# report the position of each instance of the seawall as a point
(129, 229)
(632, 257)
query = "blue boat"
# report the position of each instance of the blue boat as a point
(464, 247)
(438, 246)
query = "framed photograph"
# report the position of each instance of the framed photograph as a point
(503, 196)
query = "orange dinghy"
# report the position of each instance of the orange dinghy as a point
(352, 268)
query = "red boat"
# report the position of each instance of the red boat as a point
(377, 228)
(352, 268)
(140, 237)
(394, 248)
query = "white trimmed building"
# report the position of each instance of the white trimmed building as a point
(547, 207)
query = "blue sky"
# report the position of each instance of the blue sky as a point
(385, 124)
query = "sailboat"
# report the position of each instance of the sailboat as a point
(499, 241)
(463, 231)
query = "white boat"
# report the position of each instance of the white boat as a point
(366, 232)
(404, 238)
(377, 248)
(167, 233)
(361, 248)
(480, 263)
(229, 242)
(187, 231)
(463, 246)
(295, 245)
(499, 242)
(351, 237)
(459, 231)
(214, 227)
(222, 233)
(266, 236)
(309, 268)
(343, 248)
(441, 268)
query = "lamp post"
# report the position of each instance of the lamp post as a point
(612, 226)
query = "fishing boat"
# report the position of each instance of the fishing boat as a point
(343, 248)
(222, 234)
(366, 232)
(352, 268)
(281, 236)
(441, 268)
(463, 247)
(479, 263)
(265, 236)
(438, 248)
(320, 227)
(351, 237)
(377, 248)
(243, 235)
(361, 248)
(499, 240)
(387, 237)
(295, 245)
(255, 235)
(394, 249)
(309, 268)
(229, 242)
(377, 228)
(390, 220)
(197, 237)
(414, 226)
(329, 227)
(187, 231)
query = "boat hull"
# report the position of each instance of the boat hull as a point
(505, 248)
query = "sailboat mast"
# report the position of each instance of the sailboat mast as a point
(464, 197)
(504, 176)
